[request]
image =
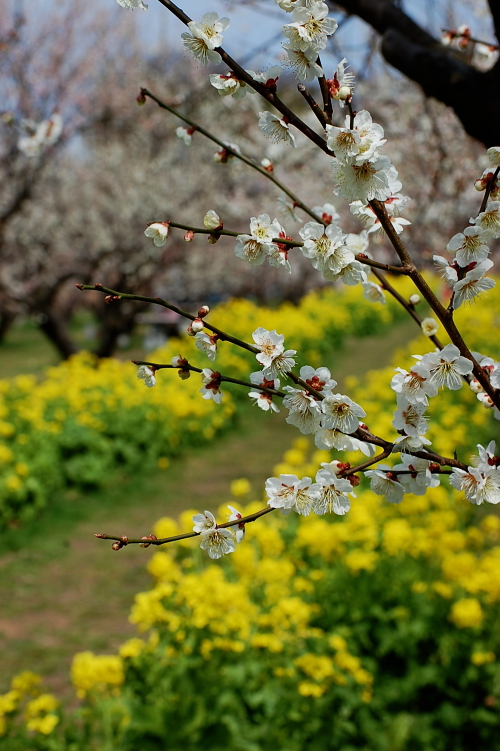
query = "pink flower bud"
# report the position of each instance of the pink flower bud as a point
(203, 311)
(189, 236)
(190, 332)
(197, 325)
(178, 361)
(116, 546)
(487, 402)
(267, 165)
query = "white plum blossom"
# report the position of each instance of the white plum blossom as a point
(371, 221)
(420, 477)
(147, 374)
(230, 85)
(410, 418)
(360, 142)
(494, 155)
(341, 413)
(373, 292)
(385, 483)
(275, 127)
(319, 379)
(131, 4)
(303, 62)
(204, 522)
(184, 134)
(305, 411)
(211, 385)
(472, 284)
(207, 344)
(205, 36)
(365, 180)
(273, 356)
(287, 208)
(327, 439)
(239, 533)
(310, 27)
(333, 492)
(409, 444)
(262, 398)
(212, 220)
(250, 250)
(352, 274)
(218, 542)
(487, 456)
(470, 246)
(264, 230)
(479, 485)
(158, 231)
(429, 327)
(341, 86)
(446, 270)
(254, 247)
(324, 246)
(267, 77)
(288, 492)
(414, 386)
(277, 255)
(489, 219)
(447, 367)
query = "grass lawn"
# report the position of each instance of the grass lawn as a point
(62, 591)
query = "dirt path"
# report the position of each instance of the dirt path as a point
(66, 592)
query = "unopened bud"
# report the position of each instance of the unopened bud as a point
(124, 540)
(212, 221)
(480, 185)
(414, 299)
(344, 93)
(203, 311)
(487, 402)
(476, 387)
(111, 298)
(141, 99)
(434, 467)
(144, 544)
(189, 236)
(117, 546)
(184, 374)
(267, 165)
(178, 361)
(212, 239)
(354, 480)
(197, 325)
(190, 332)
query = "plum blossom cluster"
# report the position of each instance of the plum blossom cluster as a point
(306, 36)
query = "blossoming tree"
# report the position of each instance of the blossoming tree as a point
(362, 174)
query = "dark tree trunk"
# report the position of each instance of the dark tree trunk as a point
(54, 327)
(6, 321)
(442, 73)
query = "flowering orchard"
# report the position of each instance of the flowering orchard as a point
(361, 173)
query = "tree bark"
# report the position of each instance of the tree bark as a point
(443, 73)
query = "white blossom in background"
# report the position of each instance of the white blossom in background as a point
(305, 411)
(287, 208)
(489, 219)
(147, 374)
(420, 478)
(267, 76)
(494, 155)
(303, 63)
(341, 413)
(327, 439)
(328, 213)
(205, 36)
(371, 221)
(45, 134)
(319, 379)
(211, 385)
(472, 284)
(385, 483)
(310, 27)
(207, 344)
(352, 274)
(429, 326)
(275, 127)
(332, 497)
(239, 532)
(262, 398)
(373, 292)
(447, 367)
(158, 231)
(131, 4)
(273, 356)
(230, 85)
(470, 246)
